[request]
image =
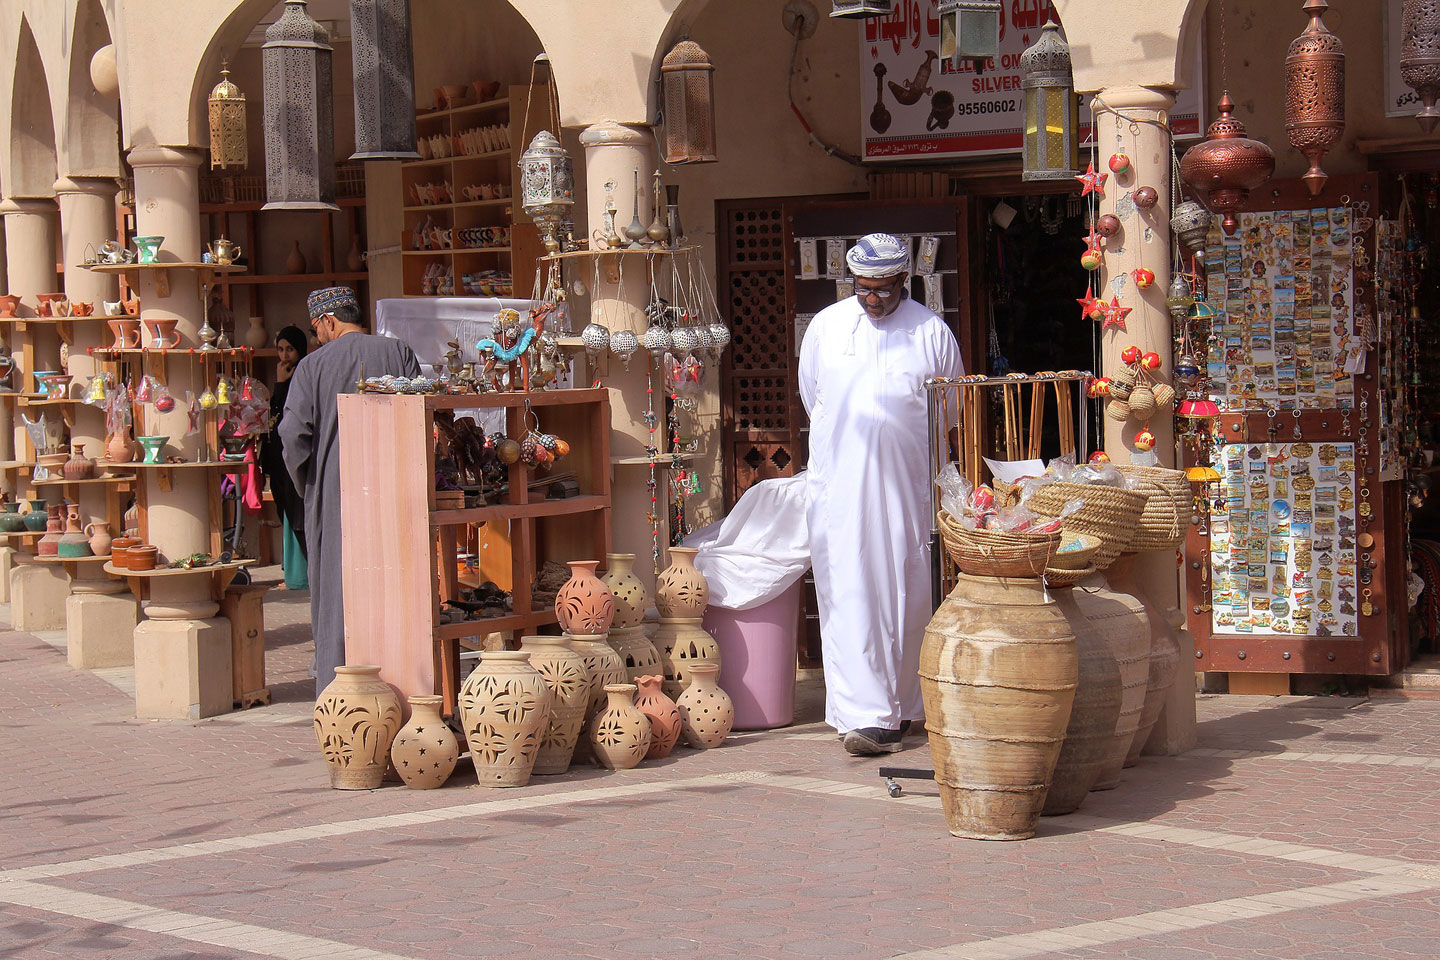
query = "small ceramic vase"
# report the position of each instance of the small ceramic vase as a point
(295, 262)
(10, 519)
(79, 466)
(425, 749)
(35, 519)
(73, 542)
(564, 673)
(98, 532)
(627, 589)
(706, 712)
(640, 656)
(620, 735)
(120, 448)
(356, 718)
(49, 545)
(584, 604)
(682, 643)
(255, 334)
(603, 667)
(663, 715)
(162, 332)
(147, 249)
(505, 707)
(153, 447)
(681, 590)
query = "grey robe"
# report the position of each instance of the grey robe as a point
(309, 433)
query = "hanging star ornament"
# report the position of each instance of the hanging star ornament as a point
(1094, 182)
(1115, 315)
(1091, 306)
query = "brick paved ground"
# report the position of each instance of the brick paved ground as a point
(1302, 829)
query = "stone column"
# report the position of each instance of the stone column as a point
(613, 152)
(30, 225)
(1144, 242)
(182, 650)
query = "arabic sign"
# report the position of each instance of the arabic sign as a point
(920, 106)
(1400, 100)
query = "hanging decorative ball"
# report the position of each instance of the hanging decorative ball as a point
(1150, 361)
(1117, 409)
(1092, 258)
(1164, 396)
(1191, 222)
(1145, 440)
(1131, 355)
(1142, 402)
(1145, 197)
(1108, 225)
(1119, 163)
(702, 336)
(719, 337)
(656, 340)
(1227, 165)
(596, 337)
(684, 340)
(1099, 456)
(1420, 56)
(1143, 278)
(507, 451)
(624, 344)
(1315, 93)
(1187, 371)
(1097, 387)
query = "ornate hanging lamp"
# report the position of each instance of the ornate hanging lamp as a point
(1227, 165)
(1051, 112)
(1420, 56)
(1315, 93)
(384, 67)
(547, 186)
(687, 79)
(299, 113)
(969, 30)
(860, 9)
(229, 133)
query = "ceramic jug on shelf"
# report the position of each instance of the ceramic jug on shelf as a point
(98, 530)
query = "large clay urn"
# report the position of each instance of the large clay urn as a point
(620, 735)
(706, 711)
(425, 749)
(504, 707)
(682, 643)
(564, 673)
(681, 590)
(1129, 638)
(635, 649)
(356, 718)
(627, 589)
(663, 714)
(584, 604)
(1096, 709)
(1164, 648)
(998, 670)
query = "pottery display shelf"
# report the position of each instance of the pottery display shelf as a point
(206, 272)
(229, 353)
(168, 590)
(611, 258)
(396, 587)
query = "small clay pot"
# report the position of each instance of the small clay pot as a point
(140, 557)
(120, 551)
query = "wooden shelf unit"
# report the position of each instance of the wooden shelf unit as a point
(399, 571)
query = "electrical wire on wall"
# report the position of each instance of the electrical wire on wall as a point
(830, 149)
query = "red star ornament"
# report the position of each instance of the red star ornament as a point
(1094, 182)
(1115, 315)
(1089, 303)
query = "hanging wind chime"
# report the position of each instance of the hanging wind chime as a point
(1315, 93)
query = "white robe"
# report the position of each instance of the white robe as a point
(862, 382)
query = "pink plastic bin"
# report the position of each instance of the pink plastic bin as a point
(757, 658)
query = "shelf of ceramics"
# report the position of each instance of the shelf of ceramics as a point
(207, 271)
(484, 106)
(233, 353)
(75, 560)
(165, 472)
(448, 250)
(16, 464)
(214, 568)
(92, 480)
(460, 205)
(484, 625)
(514, 511)
(58, 320)
(22, 535)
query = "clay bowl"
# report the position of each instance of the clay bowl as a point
(154, 448)
(140, 556)
(55, 386)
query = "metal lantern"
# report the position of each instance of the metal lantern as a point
(547, 185)
(1315, 93)
(1227, 165)
(299, 113)
(1051, 112)
(1420, 55)
(229, 135)
(970, 30)
(688, 80)
(384, 82)
(1191, 222)
(860, 9)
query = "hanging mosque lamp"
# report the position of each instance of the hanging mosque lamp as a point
(1315, 93)
(229, 135)
(1227, 165)
(1420, 56)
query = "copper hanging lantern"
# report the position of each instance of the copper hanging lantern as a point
(1051, 112)
(1420, 56)
(1227, 165)
(229, 135)
(1315, 93)
(299, 113)
(384, 68)
(688, 83)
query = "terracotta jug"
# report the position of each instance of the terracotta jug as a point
(120, 448)
(98, 531)
(620, 735)
(706, 711)
(627, 589)
(505, 707)
(681, 590)
(356, 719)
(603, 667)
(564, 673)
(584, 604)
(49, 545)
(295, 262)
(79, 466)
(255, 335)
(663, 715)
(425, 750)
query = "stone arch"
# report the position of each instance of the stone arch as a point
(1153, 50)
(92, 120)
(32, 123)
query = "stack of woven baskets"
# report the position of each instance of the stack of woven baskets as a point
(997, 553)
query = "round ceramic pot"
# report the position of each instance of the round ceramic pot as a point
(79, 466)
(10, 519)
(681, 590)
(141, 556)
(706, 711)
(505, 707)
(426, 749)
(662, 713)
(584, 604)
(620, 735)
(640, 656)
(153, 447)
(356, 718)
(34, 521)
(627, 589)
(120, 551)
(564, 673)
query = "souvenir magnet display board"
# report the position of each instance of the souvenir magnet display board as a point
(1287, 555)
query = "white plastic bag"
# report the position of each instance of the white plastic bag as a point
(759, 549)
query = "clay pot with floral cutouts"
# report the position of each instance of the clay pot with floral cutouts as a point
(681, 590)
(620, 735)
(584, 604)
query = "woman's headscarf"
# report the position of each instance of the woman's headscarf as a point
(296, 338)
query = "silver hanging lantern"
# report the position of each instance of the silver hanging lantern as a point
(1191, 223)
(624, 344)
(384, 67)
(719, 337)
(229, 133)
(1052, 114)
(1420, 56)
(656, 339)
(687, 78)
(969, 30)
(547, 186)
(299, 113)
(860, 9)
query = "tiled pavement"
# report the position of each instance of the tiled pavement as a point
(1301, 829)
